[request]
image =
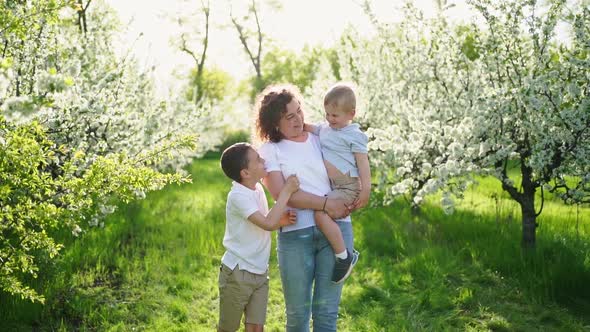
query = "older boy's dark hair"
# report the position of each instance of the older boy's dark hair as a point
(234, 159)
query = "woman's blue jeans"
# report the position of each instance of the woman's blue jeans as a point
(304, 256)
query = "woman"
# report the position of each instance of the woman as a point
(304, 254)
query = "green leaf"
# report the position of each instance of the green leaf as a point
(469, 48)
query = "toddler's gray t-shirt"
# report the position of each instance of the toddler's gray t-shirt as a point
(339, 146)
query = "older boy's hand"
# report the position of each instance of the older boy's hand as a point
(292, 184)
(288, 218)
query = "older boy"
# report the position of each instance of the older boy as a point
(243, 276)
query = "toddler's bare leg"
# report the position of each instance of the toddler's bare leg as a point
(331, 231)
(254, 327)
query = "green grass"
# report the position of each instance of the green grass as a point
(154, 268)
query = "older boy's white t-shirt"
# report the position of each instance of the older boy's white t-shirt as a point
(305, 160)
(246, 244)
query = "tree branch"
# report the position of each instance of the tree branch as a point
(244, 40)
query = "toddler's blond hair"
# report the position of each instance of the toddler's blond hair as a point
(341, 95)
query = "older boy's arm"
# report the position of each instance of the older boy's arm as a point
(274, 183)
(273, 218)
(362, 162)
(303, 200)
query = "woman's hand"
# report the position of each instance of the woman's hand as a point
(337, 209)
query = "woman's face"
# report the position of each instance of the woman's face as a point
(291, 123)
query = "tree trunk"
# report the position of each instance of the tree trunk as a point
(526, 199)
(415, 211)
(529, 220)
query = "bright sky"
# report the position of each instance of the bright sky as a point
(300, 22)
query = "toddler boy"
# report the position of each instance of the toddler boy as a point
(344, 149)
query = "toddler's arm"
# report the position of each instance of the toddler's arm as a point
(311, 128)
(275, 217)
(362, 163)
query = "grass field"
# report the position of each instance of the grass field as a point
(154, 268)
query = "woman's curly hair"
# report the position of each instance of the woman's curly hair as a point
(270, 106)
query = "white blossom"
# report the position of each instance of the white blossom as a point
(19, 108)
(51, 82)
(447, 203)
(76, 231)
(107, 209)
(139, 194)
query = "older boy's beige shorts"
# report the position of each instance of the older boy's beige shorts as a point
(240, 292)
(345, 187)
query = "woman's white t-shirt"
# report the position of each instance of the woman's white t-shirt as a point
(303, 159)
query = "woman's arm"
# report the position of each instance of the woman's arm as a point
(335, 208)
(362, 163)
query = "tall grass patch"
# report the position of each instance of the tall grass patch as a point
(154, 267)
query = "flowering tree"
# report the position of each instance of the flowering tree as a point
(418, 88)
(444, 101)
(80, 131)
(536, 105)
(36, 203)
